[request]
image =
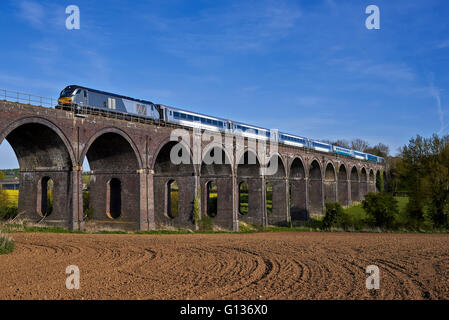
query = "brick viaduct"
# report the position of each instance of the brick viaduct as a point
(52, 144)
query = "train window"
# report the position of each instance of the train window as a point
(85, 94)
(196, 118)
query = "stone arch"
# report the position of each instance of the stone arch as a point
(363, 183)
(315, 187)
(114, 191)
(219, 174)
(330, 183)
(372, 181)
(355, 185)
(109, 133)
(276, 180)
(43, 152)
(165, 171)
(248, 170)
(343, 195)
(298, 187)
(26, 140)
(378, 181)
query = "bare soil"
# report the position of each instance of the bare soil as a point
(287, 265)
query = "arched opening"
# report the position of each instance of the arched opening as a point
(343, 195)
(43, 174)
(212, 199)
(378, 181)
(298, 190)
(248, 170)
(217, 185)
(355, 185)
(276, 195)
(363, 183)
(269, 197)
(372, 181)
(165, 172)
(172, 202)
(9, 182)
(315, 188)
(45, 197)
(114, 199)
(114, 166)
(330, 184)
(243, 198)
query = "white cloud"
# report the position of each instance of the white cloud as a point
(32, 12)
(435, 93)
(387, 71)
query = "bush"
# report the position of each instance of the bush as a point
(87, 209)
(197, 208)
(8, 212)
(206, 224)
(382, 208)
(335, 216)
(6, 244)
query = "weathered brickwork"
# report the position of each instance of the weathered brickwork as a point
(132, 171)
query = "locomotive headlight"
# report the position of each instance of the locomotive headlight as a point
(65, 99)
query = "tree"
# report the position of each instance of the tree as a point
(380, 149)
(425, 173)
(341, 143)
(382, 207)
(2, 175)
(335, 216)
(359, 145)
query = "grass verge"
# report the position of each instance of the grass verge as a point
(6, 243)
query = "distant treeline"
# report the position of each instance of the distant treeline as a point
(8, 173)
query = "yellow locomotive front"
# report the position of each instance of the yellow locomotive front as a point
(66, 96)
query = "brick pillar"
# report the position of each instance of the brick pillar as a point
(150, 199)
(287, 201)
(235, 204)
(77, 222)
(349, 192)
(143, 181)
(307, 206)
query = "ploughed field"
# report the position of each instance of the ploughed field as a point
(288, 265)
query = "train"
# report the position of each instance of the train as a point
(76, 97)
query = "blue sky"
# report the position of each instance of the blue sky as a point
(306, 67)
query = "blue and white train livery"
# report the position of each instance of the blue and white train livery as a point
(320, 146)
(343, 151)
(250, 131)
(192, 119)
(78, 97)
(293, 140)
